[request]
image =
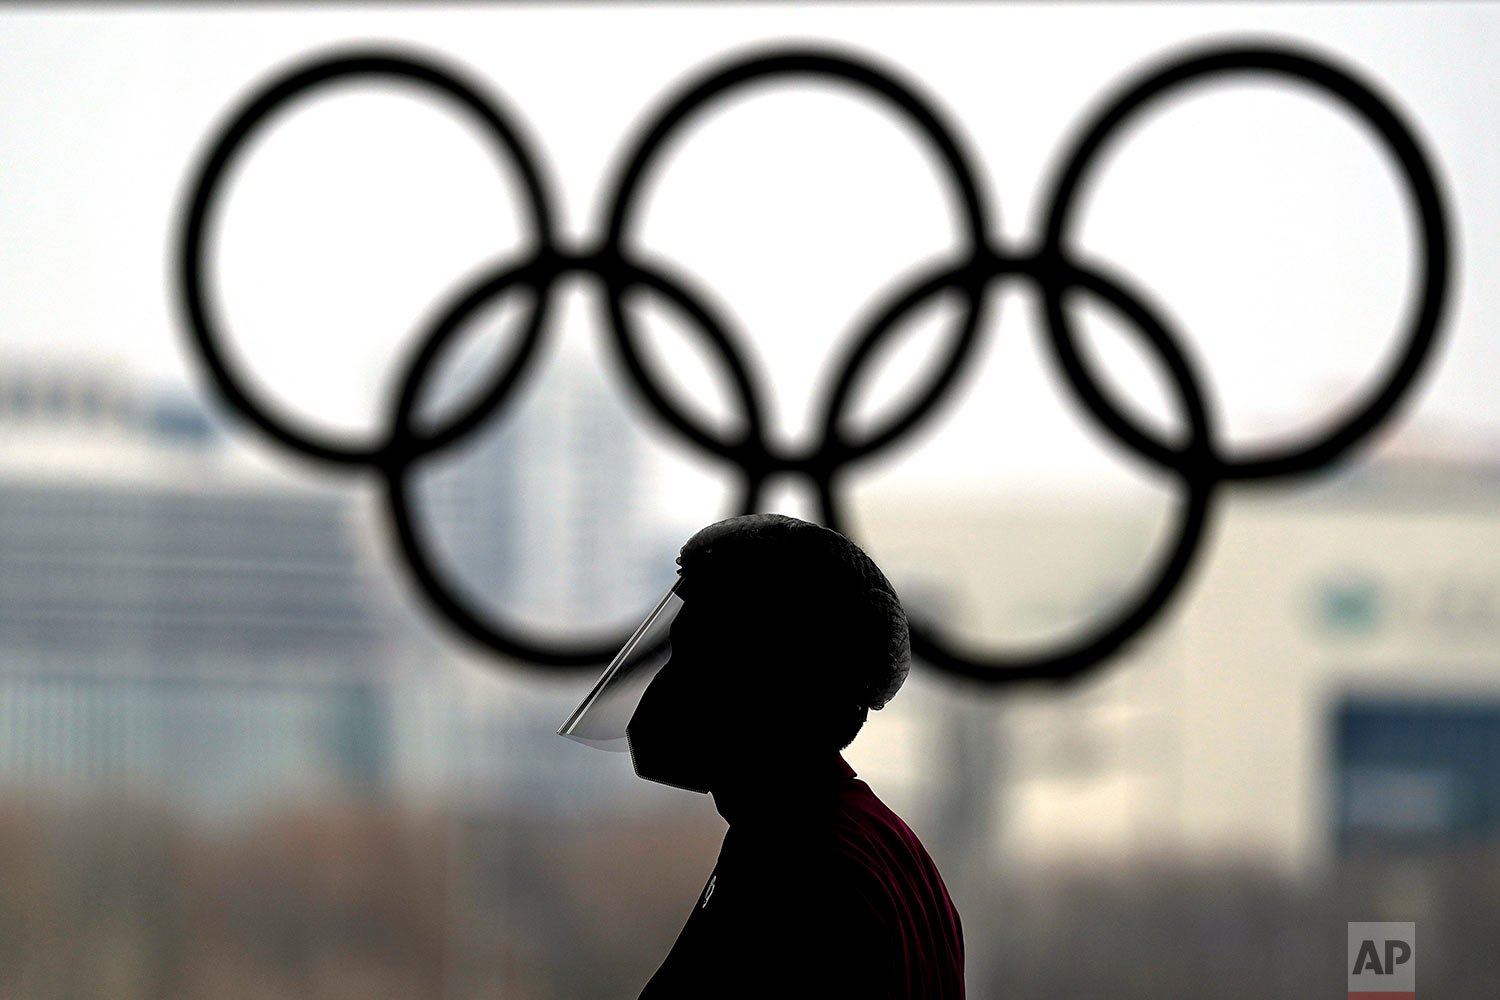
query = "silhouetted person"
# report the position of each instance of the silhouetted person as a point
(783, 635)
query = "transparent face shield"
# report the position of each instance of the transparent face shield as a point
(601, 718)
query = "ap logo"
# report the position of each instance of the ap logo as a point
(1382, 961)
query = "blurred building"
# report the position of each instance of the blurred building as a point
(171, 621)
(181, 622)
(1327, 682)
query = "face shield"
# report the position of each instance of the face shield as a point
(600, 720)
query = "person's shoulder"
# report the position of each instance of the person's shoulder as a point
(864, 823)
(881, 859)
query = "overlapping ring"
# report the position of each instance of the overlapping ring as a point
(1198, 462)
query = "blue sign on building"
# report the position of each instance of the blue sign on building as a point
(1416, 773)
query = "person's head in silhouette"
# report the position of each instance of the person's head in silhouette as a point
(788, 635)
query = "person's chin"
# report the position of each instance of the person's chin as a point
(677, 767)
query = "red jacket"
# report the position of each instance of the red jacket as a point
(835, 900)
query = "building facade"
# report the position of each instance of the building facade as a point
(1327, 681)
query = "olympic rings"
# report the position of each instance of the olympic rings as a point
(981, 265)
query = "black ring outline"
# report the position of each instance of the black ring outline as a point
(1065, 661)
(284, 90)
(1322, 75)
(822, 461)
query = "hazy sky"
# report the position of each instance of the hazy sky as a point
(1265, 223)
